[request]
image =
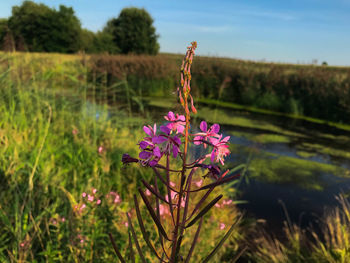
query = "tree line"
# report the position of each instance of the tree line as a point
(36, 27)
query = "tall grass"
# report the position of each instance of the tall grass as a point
(57, 143)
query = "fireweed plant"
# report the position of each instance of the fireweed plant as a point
(172, 141)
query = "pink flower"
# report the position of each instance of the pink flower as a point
(222, 226)
(83, 194)
(94, 190)
(100, 149)
(172, 184)
(199, 183)
(172, 143)
(90, 198)
(63, 219)
(116, 197)
(75, 132)
(220, 150)
(148, 192)
(205, 133)
(98, 202)
(126, 224)
(22, 244)
(176, 123)
(218, 205)
(151, 153)
(163, 209)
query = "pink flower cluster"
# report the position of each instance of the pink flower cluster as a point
(167, 141)
(224, 203)
(211, 137)
(114, 196)
(88, 198)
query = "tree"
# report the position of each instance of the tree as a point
(44, 29)
(100, 42)
(6, 38)
(133, 32)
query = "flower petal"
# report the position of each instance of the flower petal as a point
(145, 155)
(147, 131)
(203, 126)
(165, 129)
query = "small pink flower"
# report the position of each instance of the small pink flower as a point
(172, 184)
(63, 219)
(82, 207)
(176, 123)
(222, 226)
(81, 240)
(22, 244)
(83, 194)
(228, 202)
(94, 190)
(126, 224)
(75, 131)
(98, 202)
(90, 198)
(199, 183)
(100, 149)
(217, 205)
(148, 192)
(220, 150)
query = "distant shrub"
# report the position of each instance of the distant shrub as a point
(133, 32)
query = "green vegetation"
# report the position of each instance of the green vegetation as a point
(133, 32)
(329, 244)
(57, 144)
(36, 27)
(51, 131)
(293, 91)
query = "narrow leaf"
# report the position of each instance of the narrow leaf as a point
(153, 191)
(205, 196)
(163, 180)
(222, 241)
(194, 242)
(135, 239)
(153, 215)
(116, 250)
(204, 211)
(143, 230)
(131, 250)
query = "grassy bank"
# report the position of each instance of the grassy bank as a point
(294, 90)
(62, 184)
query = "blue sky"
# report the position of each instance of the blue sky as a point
(295, 31)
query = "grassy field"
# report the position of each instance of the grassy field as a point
(57, 143)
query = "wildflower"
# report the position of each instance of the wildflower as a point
(199, 183)
(63, 219)
(74, 131)
(203, 136)
(148, 192)
(176, 123)
(220, 149)
(94, 190)
(116, 197)
(100, 149)
(151, 153)
(172, 143)
(222, 226)
(98, 201)
(83, 194)
(90, 198)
